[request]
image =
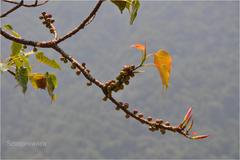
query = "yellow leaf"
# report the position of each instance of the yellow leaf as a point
(163, 62)
(38, 80)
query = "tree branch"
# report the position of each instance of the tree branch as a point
(83, 24)
(12, 10)
(153, 124)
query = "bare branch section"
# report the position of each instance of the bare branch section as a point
(21, 4)
(12, 10)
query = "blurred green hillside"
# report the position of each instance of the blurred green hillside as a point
(203, 38)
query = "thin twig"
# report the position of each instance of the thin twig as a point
(36, 4)
(12, 10)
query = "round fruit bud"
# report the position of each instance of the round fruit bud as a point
(78, 72)
(159, 121)
(167, 123)
(140, 115)
(126, 105)
(89, 83)
(40, 17)
(104, 99)
(62, 58)
(52, 21)
(121, 87)
(135, 111)
(84, 65)
(65, 60)
(149, 118)
(162, 131)
(121, 103)
(49, 16)
(52, 30)
(34, 49)
(127, 116)
(88, 70)
(151, 129)
(44, 22)
(43, 13)
(126, 82)
(73, 66)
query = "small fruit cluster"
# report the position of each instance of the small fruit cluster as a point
(74, 66)
(123, 78)
(48, 21)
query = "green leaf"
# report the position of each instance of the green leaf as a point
(20, 61)
(51, 85)
(26, 63)
(9, 28)
(128, 4)
(135, 7)
(121, 4)
(144, 56)
(22, 78)
(45, 60)
(16, 48)
(3, 67)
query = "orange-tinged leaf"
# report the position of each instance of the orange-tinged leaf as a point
(199, 137)
(194, 133)
(163, 62)
(188, 114)
(138, 46)
(186, 118)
